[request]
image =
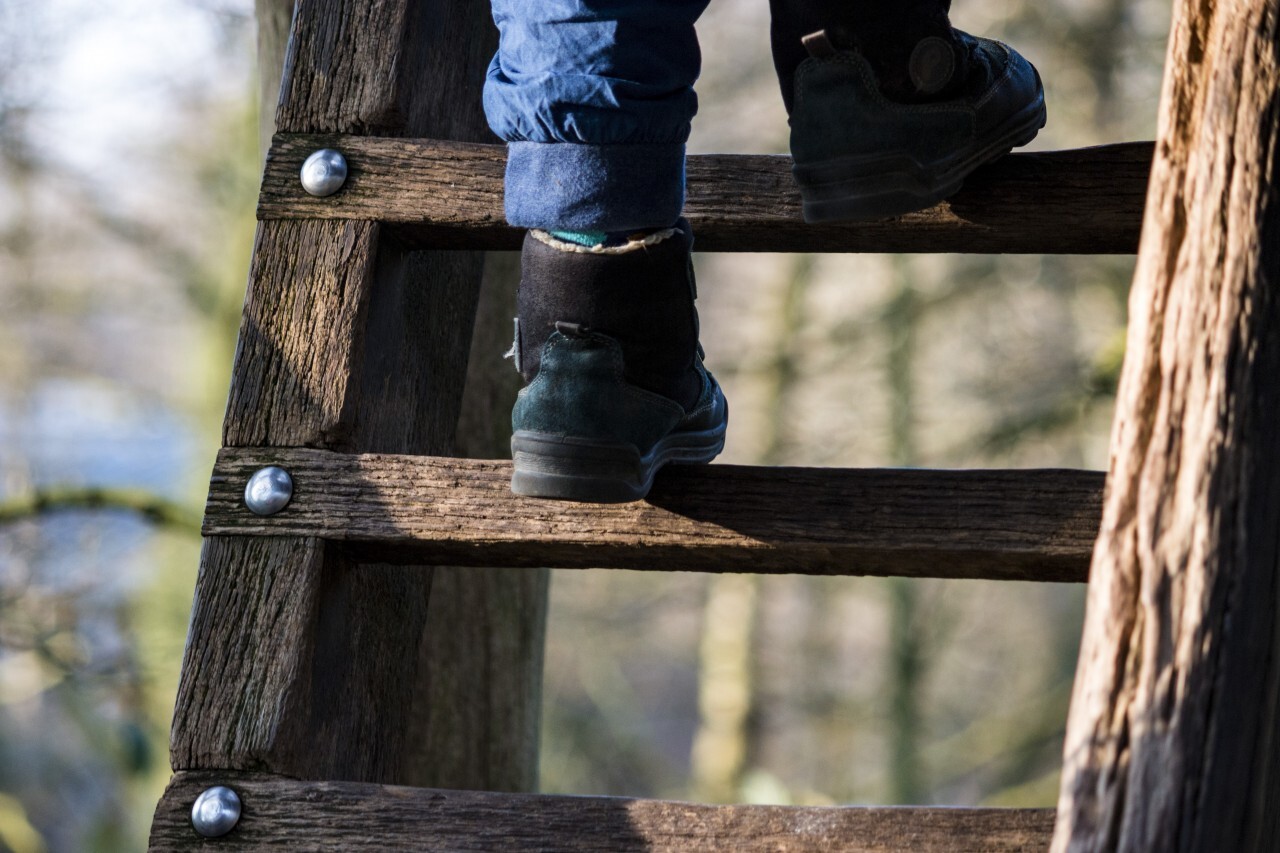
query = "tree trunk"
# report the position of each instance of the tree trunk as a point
(908, 664)
(274, 18)
(1172, 742)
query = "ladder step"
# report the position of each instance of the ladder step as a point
(1004, 525)
(448, 195)
(286, 813)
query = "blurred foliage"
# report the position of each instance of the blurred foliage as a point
(121, 276)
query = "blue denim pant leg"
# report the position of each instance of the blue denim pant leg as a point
(595, 98)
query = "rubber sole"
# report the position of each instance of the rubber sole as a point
(848, 189)
(575, 469)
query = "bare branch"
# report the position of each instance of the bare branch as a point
(161, 512)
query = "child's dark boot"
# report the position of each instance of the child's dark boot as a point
(870, 145)
(607, 342)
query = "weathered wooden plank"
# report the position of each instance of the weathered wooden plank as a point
(349, 340)
(397, 68)
(1172, 741)
(470, 732)
(332, 351)
(449, 195)
(301, 334)
(348, 816)
(290, 664)
(387, 67)
(1026, 525)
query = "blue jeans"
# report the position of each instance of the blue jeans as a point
(595, 97)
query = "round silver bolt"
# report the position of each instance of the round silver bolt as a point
(324, 172)
(268, 491)
(216, 811)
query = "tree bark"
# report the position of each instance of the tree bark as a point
(1172, 742)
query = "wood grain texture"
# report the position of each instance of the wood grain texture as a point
(377, 67)
(476, 723)
(449, 195)
(301, 334)
(334, 348)
(345, 816)
(414, 345)
(349, 340)
(1029, 525)
(477, 708)
(290, 665)
(1172, 741)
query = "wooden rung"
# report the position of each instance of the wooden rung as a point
(1007, 525)
(449, 195)
(348, 816)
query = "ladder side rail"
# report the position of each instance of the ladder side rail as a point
(300, 661)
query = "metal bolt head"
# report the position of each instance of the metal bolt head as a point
(268, 491)
(324, 172)
(216, 811)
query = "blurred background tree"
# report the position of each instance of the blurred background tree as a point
(128, 171)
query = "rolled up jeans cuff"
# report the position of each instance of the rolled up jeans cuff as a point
(568, 186)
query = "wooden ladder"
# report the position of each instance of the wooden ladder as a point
(296, 685)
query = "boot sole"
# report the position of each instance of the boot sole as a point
(576, 469)
(847, 189)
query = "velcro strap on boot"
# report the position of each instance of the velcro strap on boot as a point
(819, 45)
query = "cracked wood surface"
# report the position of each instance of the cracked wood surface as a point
(1172, 741)
(302, 660)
